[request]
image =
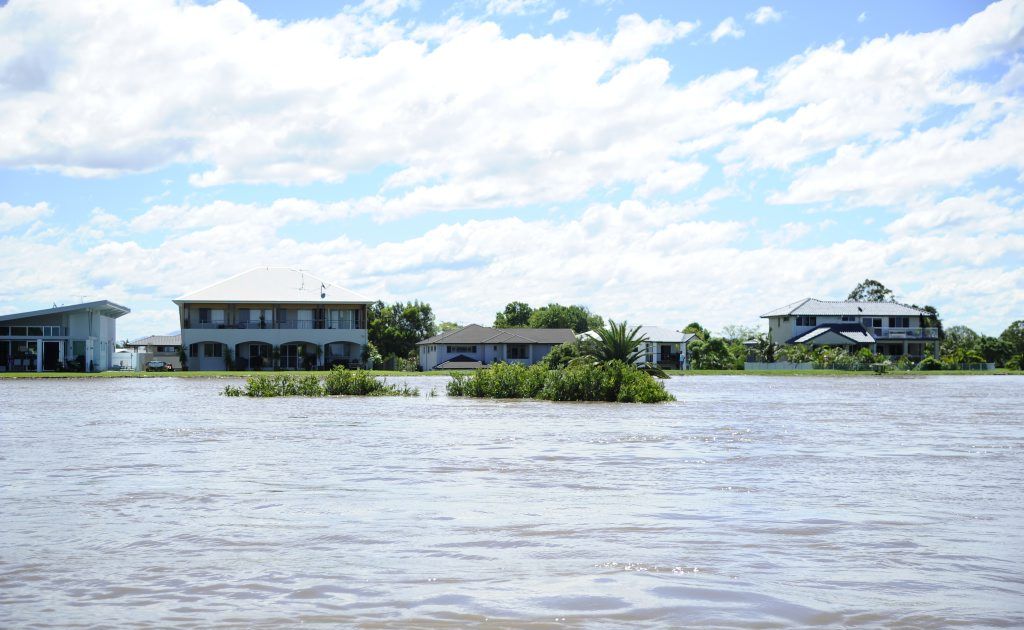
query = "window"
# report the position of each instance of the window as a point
(35, 331)
(193, 350)
(342, 318)
(204, 316)
(849, 318)
(4, 330)
(806, 320)
(518, 351)
(213, 350)
(899, 322)
(470, 349)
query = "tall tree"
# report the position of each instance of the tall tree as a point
(740, 333)
(1014, 335)
(698, 330)
(515, 315)
(960, 339)
(395, 328)
(448, 326)
(871, 291)
(578, 318)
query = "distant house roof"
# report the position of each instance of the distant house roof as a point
(275, 284)
(105, 307)
(485, 334)
(156, 340)
(656, 334)
(853, 332)
(811, 306)
(460, 362)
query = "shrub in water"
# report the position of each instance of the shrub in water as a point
(581, 381)
(338, 381)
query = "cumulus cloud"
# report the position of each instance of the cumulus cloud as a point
(727, 28)
(516, 7)
(17, 216)
(763, 15)
(558, 16)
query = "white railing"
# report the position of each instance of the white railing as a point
(905, 333)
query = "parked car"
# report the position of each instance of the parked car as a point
(159, 366)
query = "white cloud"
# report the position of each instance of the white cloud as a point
(516, 7)
(764, 14)
(16, 216)
(727, 28)
(863, 16)
(558, 16)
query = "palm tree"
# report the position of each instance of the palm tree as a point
(617, 342)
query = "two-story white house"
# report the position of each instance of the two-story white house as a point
(273, 316)
(885, 328)
(77, 337)
(475, 346)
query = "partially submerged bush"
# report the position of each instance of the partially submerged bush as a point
(581, 381)
(929, 363)
(338, 382)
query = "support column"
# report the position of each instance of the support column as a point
(39, 355)
(905, 349)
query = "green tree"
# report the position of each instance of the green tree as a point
(448, 326)
(701, 333)
(1014, 335)
(765, 349)
(738, 332)
(871, 291)
(578, 318)
(994, 350)
(395, 328)
(960, 339)
(712, 354)
(620, 343)
(515, 315)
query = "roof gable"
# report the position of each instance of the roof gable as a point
(106, 308)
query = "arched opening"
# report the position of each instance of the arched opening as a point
(253, 355)
(300, 355)
(343, 353)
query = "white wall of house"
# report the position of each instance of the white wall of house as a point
(431, 355)
(784, 328)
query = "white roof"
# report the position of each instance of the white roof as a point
(653, 333)
(105, 307)
(275, 284)
(811, 306)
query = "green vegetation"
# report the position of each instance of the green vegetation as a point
(337, 382)
(522, 315)
(394, 329)
(613, 381)
(871, 291)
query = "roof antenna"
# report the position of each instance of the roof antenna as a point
(323, 291)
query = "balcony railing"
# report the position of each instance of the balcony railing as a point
(905, 333)
(301, 324)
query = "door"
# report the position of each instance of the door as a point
(51, 355)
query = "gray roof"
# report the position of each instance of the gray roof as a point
(485, 334)
(811, 306)
(275, 284)
(106, 307)
(157, 340)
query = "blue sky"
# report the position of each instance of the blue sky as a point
(660, 162)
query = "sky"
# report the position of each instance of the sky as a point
(658, 162)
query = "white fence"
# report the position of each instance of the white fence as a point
(778, 365)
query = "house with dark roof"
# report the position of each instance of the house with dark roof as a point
(474, 346)
(886, 328)
(77, 337)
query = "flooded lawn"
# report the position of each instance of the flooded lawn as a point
(751, 502)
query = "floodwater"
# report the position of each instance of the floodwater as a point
(752, 502)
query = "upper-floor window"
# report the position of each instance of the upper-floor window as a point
(899, 322)
(471, 349)
(518, 351)
(849, 318)
(806, 320)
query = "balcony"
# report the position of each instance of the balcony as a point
(905, 333)
(301, 324)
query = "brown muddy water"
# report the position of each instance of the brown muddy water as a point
(751, 502)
